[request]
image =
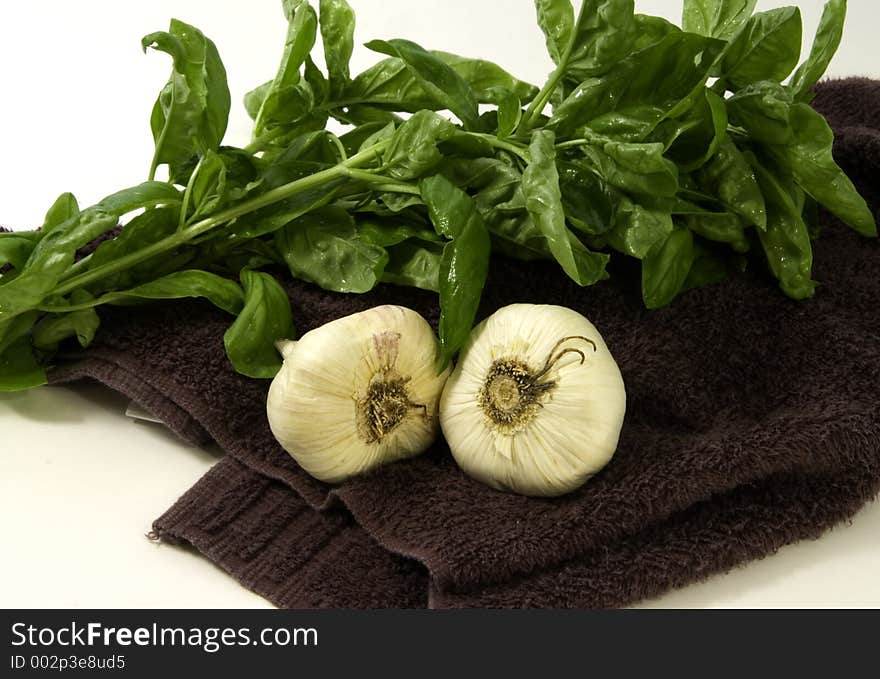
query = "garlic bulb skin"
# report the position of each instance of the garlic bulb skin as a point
(536, 402)
(358, 392)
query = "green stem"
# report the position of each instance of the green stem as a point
(381, 182)
(572, 142)
(208, 223)
(494, 141)
(184, 206)
(536, 107)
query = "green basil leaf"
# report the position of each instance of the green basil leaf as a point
(145, 229)
(556, 19)
(589, 202)
(51, 257)
(64, 208)
(708, 268)
(16, 248)
(763, 109)
(337, 33)
(254, 99)
(634, 167)
(720, 227)
(265, 319)
(55, 327)
(637, 229)
(786, 241)
(465, 261)
(716, 18)
(223, 178)
(413, 149)
(392, 85)
(436, 77)
(323, 247)
(540, 187)
(825, 46)
(730, 177)
(509, 115)
(696, 137)
(602, 35)
(666, 268)
(192, 110)
(811, 161)
(488, 82)
(288, 98)
(390, 232)
(658, 79)
(414, 264)
(221, 292)
(767, 48)
(315, 80)
(19, 368)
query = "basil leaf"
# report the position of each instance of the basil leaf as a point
(413, 149)
(465, 261)
(15, 249)
(337, 34)
(223, 178)
(414, 264)
(192, 110)
(391, 84)
(145, 229)
(487, 81)
(786, 241)
(265, 319)
(19, 368)
(716, 18)
(436, 77)
(288, 98)
(656, 79)
(811, 161)
(556, 19)
(730, 177)
(825, 46)
(589, 202)
(763, 109)
(767, 48)
(540, 187)
(64, 207)
(391, 232)
(634, 167)
(323, 247)
(603, 34)
(316, 81)
(637, 229)
(82, 324)
(696, 138)
(665, 269)
(720, 227)
(221, 292)
(509, 115)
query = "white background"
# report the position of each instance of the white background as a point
(79, 482)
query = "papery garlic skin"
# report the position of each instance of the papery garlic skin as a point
(358, 392)
(552, 445)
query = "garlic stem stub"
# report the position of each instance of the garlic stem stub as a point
(536, 402)
(358, 392)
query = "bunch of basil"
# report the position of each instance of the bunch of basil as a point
(681, 148)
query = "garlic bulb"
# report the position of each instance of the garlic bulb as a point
(358, 392)
(536, 402)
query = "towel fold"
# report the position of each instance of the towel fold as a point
(752, 422)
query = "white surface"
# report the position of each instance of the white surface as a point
(79, 482)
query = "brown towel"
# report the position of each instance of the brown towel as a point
(752, 422)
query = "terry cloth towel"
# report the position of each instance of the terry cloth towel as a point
(752, 422)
